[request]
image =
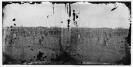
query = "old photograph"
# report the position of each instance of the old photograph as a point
(66, 33)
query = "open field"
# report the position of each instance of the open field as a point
(47, 45)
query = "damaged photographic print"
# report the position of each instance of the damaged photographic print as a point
(66, 33)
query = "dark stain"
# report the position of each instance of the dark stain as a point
(11, 26)
(40, 42)
(68, 23)
(75, 23)
(127, 59)
(48, 16)
(114, 8)
(128, 39)
(32, 49)
(79, 55)
(14, 19)
(76, 16)
(10, 41)
(14, 24)
(42, 38)
(39, 56)
(64, 58)
(69, 10)
(7, 59)
(44, 57)
(23, 61)
(61, 21)
(73, 15)
(31, 59)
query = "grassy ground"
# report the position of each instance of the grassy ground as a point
(83, 44)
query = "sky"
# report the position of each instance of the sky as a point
(89, 15)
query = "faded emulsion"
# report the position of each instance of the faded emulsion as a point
(68, 45)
